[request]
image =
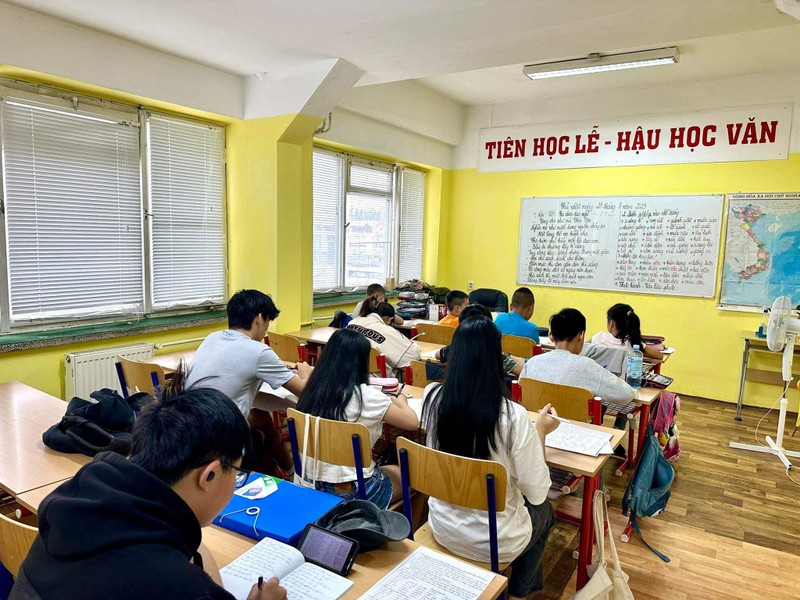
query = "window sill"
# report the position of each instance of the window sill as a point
(28, 340)
(337, 298)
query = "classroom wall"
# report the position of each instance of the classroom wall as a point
(482, 247)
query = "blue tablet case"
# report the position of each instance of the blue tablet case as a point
(283, 514)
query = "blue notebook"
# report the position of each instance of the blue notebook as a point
(281, 516)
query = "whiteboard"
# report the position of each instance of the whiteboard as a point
(648, 244)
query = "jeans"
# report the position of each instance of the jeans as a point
(526, 570)
(379, 489)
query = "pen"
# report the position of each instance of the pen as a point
(400, 391)
(260, 582)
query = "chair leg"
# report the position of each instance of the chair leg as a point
(406, 491)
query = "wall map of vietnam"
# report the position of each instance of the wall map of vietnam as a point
(762, 249)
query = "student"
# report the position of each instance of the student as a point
(512, 365)
(374, 323)
(375, 289)
(131, 528)
(338, 389)
(624, 330)
(456, 302)
(564, 365)
(517, 322)
(236, 360)
(471, 415)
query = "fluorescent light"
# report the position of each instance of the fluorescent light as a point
(597, 63)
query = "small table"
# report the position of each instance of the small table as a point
(759, 375)
(25, 414)
(169, 362)
(321, 335)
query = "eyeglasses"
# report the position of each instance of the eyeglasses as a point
(241, 474)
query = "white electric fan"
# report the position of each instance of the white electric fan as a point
(781, 330)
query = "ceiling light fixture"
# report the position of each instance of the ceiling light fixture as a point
(597, 62)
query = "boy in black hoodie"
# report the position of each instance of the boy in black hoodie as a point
(125, 529)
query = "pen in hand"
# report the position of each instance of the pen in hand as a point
(260, 582)
(400, 391)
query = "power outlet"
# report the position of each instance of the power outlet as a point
(471, 285)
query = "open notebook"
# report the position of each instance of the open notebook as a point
(270, 558)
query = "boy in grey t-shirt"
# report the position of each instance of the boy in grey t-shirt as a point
(235, 361)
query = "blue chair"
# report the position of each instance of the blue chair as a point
(466, 482)
(327, 441)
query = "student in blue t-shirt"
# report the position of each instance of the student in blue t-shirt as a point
(517, 321)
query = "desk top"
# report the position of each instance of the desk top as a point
(368, 569)
(321, 335)
(169, 362)
(25, 414)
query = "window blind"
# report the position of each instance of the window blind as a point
(186, 212)
(73, 212)
(328, 192)
(412, 211)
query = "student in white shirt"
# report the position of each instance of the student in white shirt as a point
(338, 389)
(564, 365)
(471, 415)
(624, 330)
(375, 289)
(375, 323)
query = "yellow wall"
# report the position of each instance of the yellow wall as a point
(481, 246)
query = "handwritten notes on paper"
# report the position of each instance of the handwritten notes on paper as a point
(574, 438)
(651, 244)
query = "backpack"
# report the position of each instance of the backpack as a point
(665, 427)
(648, 491)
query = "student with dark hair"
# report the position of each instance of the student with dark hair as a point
(564, 365)
(517, 321)
(375, 323)
(471, 415)
(512, 365)
(131, 528)
(375, 289)
(236, 361)
(338, 389)
(624, 330)
(456, 302)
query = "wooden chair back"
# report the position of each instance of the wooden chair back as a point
(287, 348)
(135, 375)
(335, 440)
(15, 540)
(570, 402)
(454, 479)
(435, 334)
(417, 375)
(520, 346)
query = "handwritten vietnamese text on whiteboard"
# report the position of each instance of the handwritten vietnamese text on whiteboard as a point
(649, 244)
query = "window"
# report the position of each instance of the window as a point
(368, 219)
(78, 241)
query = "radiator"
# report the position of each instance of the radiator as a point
(85, 372)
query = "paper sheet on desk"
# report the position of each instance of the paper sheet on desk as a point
(279, 392)
(668, 351)
(429, 355)
(582, 440)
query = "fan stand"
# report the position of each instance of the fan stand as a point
(776, 447)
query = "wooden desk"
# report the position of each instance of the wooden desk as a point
(368, 569)
(753, 343)
(170, 362)
(321, 335)
(25, 414)
(226, 546)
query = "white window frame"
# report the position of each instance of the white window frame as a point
(44, 95)
(394, 225)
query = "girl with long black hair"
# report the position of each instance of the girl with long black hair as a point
(338, 389)
(470, 415)
(624, 329)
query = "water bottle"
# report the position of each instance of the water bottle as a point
(633, 371)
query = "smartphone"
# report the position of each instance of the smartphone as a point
(327, 549)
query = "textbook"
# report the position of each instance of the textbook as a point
(270, 558)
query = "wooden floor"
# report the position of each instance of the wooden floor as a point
(732, 526)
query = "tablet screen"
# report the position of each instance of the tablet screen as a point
(326, 548)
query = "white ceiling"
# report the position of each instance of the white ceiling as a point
(470, 50)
